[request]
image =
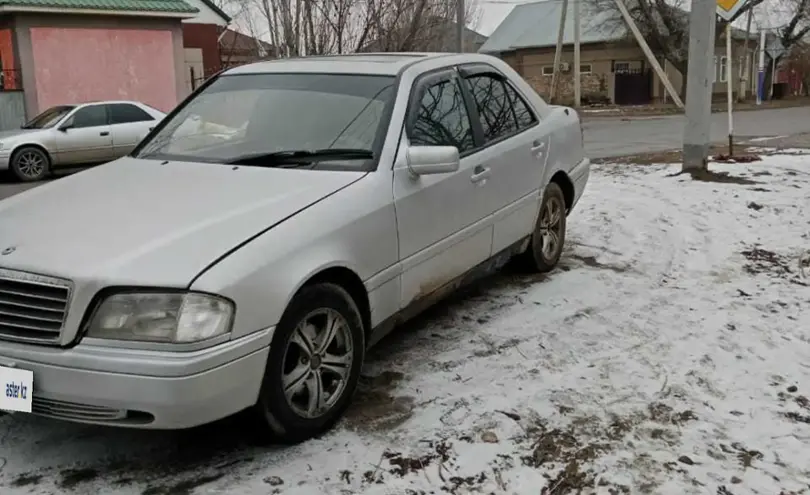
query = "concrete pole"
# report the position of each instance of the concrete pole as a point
(577, 74)
(558, 52)
(460, 23)
(697, 133)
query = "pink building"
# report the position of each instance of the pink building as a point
(68, 51)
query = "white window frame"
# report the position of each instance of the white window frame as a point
(549, 68)
(723, 69)
(589, 66)
(616, 67)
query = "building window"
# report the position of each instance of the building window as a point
(723, 69)
(548, 70)
(585, 68)
(620, 67)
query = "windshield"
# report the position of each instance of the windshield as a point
(49, 117)
(250, 115)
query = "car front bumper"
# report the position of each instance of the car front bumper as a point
(5, 160)
(169, 390)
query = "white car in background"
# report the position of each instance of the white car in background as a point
(74, 135)
(274, 226)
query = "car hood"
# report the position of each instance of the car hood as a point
(150, 223)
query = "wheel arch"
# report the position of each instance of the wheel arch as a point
(38, 146)
(561, 179)
(348, 280)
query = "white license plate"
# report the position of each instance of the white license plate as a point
(16, 389)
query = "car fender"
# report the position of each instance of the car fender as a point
(353, 229)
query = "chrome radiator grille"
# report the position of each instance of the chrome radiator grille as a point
(33, 307)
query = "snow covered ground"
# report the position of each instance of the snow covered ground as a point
(669, 354)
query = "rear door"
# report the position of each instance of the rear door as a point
(84, 137)
(515, 148)
(128, 124)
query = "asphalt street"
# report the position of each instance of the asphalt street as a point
(617, 136)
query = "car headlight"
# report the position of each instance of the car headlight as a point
(161, 317)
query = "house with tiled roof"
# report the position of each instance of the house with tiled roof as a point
(66, 51)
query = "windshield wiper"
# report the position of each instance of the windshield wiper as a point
(300, 157)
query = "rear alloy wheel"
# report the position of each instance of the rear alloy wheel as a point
(314, 364)
(547, 241)
(30, 164)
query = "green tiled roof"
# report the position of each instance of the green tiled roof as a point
(156, 6)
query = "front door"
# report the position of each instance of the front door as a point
(443, 224)
(129, 124)
(85, 137)
(515, 148)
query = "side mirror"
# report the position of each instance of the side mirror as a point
(64, 128)
(430, 160)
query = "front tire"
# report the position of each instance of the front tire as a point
(314, 365)
(548, 238)
(30, 164)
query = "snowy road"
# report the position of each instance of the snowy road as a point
(669, 355)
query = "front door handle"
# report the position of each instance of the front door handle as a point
(104, 133)
(480, 173)
(538, 145)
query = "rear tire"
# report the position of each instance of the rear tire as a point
(314, 365)
(547, 241)
(30, 164)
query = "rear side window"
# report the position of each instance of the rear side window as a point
(124, 113)
(494, 107)
(442, 118)
(525, 117)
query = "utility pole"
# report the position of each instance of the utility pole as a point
(761, 67)
(745, 66)
(697, 133)
(460, 23)
(577, 74)
(558, 52)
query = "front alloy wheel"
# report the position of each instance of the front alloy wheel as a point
(315, 361)
(30, 164)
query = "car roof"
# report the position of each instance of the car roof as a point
(389, 63)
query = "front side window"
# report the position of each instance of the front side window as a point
(92, 116)
(125, 113)
(442, 118)
(265, 115)
(49, 117)
(494, 108)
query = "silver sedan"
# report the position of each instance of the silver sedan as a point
(71, 135)
(269, 231)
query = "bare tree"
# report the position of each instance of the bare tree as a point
(311, 27)
(792, 34)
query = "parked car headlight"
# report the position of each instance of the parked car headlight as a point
(161, 317)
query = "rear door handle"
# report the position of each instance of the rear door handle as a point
(105, 133)
(538, 145)
(480, 173)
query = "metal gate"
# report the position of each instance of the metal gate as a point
(633, 87)
(12, 100)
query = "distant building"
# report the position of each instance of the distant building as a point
(201, 41)
(613, 66)
(236, 49)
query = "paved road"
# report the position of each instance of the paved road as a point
(617, 136)
(609, 136)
